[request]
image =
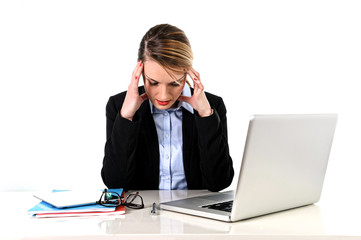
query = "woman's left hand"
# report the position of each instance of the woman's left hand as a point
(198, 100)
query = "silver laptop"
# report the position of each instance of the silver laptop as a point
(283, 167)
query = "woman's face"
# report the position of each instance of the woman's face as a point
(162, 90)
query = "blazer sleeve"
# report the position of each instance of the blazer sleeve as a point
(215, 162)
(119, 164)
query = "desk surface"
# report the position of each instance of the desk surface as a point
(320, 221)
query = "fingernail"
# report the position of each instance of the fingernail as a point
(140, 64)
(136, 77)
(195, 78)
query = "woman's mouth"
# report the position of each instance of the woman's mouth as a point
(163, 103)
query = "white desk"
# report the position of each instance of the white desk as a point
(323, 221)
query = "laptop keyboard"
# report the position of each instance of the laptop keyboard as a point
(223, 206)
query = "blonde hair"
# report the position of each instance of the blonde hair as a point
(168, 46)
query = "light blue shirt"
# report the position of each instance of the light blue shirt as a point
(170, 137)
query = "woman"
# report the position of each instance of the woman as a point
(166, 135)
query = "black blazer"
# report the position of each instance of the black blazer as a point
(131, 158)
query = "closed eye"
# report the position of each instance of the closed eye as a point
(178, 82)
(153, 83)
(175, 84)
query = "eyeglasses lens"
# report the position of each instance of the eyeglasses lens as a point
(134, 201)
(110, 199)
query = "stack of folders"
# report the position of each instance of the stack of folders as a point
(60, 203)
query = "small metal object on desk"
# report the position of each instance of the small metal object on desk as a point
(154, 209)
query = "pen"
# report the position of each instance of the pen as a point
(154, 209)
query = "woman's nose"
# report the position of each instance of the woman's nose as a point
(163, 93)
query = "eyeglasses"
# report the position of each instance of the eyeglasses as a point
(113, 199)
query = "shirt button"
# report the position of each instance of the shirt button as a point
(165, 114)
(167, 135)
(167, 157)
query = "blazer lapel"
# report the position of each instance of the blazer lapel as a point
(149, 133)
(188, 140)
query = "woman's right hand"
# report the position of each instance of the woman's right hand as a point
(133, 100)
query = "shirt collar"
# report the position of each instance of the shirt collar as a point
(186, 92)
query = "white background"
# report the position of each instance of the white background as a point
(61, 60)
